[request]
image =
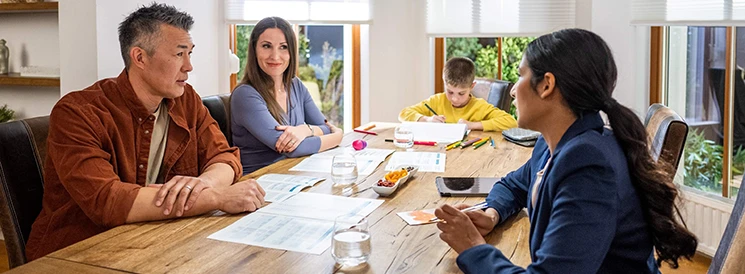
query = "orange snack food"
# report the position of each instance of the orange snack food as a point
(393, 176)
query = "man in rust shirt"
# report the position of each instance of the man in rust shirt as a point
(139, 147)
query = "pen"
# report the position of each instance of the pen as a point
(365, 132)
(430, 109)
(423, 143)
(369, 127)
(475, 207)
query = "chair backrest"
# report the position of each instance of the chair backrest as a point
(23, 148)
(668, 134)
(496, 92)
(731, 250)
(219, 107)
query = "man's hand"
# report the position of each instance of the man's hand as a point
(240, 197)
(291, 137)
(180, 193)
(433, 119)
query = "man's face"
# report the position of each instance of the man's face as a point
(166, 71)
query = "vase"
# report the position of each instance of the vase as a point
(4, 57)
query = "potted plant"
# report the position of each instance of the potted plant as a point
(6, 114)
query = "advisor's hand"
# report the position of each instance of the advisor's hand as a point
(240, 197)
(179, 194)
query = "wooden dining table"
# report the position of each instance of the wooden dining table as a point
(181, 245)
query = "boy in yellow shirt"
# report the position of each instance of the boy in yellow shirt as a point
(457, 104)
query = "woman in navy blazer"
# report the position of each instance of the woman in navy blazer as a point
(597, 201)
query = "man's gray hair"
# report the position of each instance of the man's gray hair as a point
(140, 29)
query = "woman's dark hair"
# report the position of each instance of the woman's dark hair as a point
(257, 78)
(585, 74)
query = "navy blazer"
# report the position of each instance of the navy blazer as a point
(587, 216)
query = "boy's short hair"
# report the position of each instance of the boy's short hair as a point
(459, 72)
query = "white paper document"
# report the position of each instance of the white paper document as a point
(323, 165)
(426, 161)
(367, 153)
(282, 186)
(302, 223)
(436, 132)
(367, 160)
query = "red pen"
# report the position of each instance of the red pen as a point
(423, 143)
(365, 132)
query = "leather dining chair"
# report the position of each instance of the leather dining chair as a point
(23, 147)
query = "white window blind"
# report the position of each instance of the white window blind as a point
(489, 18)
(688, 12)
(300, 11)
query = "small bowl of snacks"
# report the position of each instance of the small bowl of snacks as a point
(391, 181)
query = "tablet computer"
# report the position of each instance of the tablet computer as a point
(465, 186)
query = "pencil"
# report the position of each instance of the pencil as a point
(365, 132)
(452, 146)
(369, 127)
(466, 144)
(430, 109)
(492, 143)
(479, 145)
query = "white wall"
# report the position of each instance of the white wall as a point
(102, 49)
(630, 46)
(33, 41)
(398, 58)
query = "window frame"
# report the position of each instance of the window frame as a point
(658, 92)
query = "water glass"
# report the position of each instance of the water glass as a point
(344, 168)
(403, 137)
(350, 245)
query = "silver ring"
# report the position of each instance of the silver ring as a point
(189, 187)
(292, 141)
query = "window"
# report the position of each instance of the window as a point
(697, 90)
(491, 62)
(321, 66)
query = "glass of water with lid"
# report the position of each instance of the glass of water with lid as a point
(350, 245)
(344, 168)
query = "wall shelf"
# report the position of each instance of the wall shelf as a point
(29, 7)
(15, 79)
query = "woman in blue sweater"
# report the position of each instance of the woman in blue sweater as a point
(273, 115)
(597, 201)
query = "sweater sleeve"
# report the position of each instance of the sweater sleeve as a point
(249, 110)
(413, 113)
(495, 119)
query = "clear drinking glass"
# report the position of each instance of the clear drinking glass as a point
(350, 245)
(403, 137)
(344, 168)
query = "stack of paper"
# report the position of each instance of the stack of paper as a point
(302, 223)
(279, 187)
(426, 161)
(436, 132)
(367, 160)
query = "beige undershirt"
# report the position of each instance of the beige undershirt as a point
(157, 143)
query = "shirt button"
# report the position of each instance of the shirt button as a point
(139, 119)
(152, 118)
(147, 132)
(142, 166)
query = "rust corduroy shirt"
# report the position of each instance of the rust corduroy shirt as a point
(98, 148)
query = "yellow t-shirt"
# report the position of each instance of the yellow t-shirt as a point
(477, 110)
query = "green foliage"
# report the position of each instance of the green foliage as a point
(486, 62)
(6, 114)
(702, 162)
(738, 161)
(243, 33)
(303, 50)
(512, 54)
(332, 91)
(462, 47)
